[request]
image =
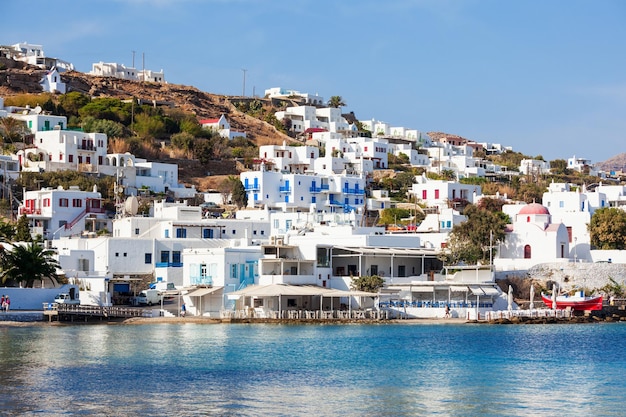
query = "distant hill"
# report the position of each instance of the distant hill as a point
(19, 78)
(616, 163)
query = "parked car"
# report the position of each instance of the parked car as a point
(65, 298)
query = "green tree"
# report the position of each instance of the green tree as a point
(22, 230)
(369, 283)
(148, 127)
(7, 231)
(107, 108)
(233, 187)
(559, 167)
(474, 239)
(336, 101)
(607, 229)
(109, 127)
(183, 140)
(239, 194)
(393, 215)
(71, 103)
(27, 264)
(12, 129)
(491, 204)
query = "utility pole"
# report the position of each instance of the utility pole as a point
(244, 82)
(133, 59)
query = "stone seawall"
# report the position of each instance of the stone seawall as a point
(572, 275)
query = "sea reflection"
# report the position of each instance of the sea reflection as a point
(290, 370)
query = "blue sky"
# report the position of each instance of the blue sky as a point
(545, 77)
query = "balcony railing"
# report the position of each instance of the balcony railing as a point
(356, 191)
(323, 187)
(252, 187)
(169, 265)
(201, 280)
(30, 210)
(284, 189)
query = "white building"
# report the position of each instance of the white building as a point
(56, 150)
(277, 92)
(360, 148)
(111, 69)
(36, 121)
(443, 194)
(534, 167)
(222, 127)
(54, 213)
(532, 239)
(309, 117)
(304, 191)
(52, 82)
(34, 55)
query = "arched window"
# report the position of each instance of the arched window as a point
(527, 252)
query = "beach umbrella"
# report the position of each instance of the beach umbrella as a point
(510, 298)
(554, 297)
(532, 297)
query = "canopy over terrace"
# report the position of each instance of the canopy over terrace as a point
(441, 291)
(391, 262)
(205, 300)
(280, 290)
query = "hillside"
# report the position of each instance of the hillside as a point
(18, 78)
(616, 163)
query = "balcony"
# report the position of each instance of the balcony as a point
(201, 280)
(284, 189)
(168, 265)
(30, 210)
(252, 187)
(355, 191)
(323, 187)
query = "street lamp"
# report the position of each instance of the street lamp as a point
(575, 253)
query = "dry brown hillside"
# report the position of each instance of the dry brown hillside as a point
(18, 78)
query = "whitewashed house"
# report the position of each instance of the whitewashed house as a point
(111, 69)
(222, 127)
(532, 238)
(211, 273)
(52, 82)
(310, 117)
(534, 167)
(36, 121)
(33, 54)
(56, 212)
(277, 92)
(57, 150)
(443, 194)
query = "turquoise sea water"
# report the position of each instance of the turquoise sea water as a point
(313, 370)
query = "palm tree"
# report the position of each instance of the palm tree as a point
(336, 101)
(28, 263)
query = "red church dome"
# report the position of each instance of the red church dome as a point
(534, 208)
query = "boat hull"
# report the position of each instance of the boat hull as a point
(574, 302)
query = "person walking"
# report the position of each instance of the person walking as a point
(7, 304)
(2, 301)
(183, 310)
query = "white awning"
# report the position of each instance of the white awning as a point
(423, 288)
(201, 292)
(458, 288)
(490, 290)
(477, 291)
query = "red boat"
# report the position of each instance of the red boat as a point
(577, 301)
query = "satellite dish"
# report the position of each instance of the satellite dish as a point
(37, 110)
(131, 205)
